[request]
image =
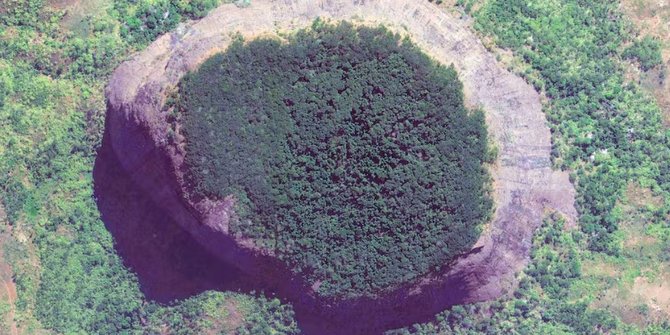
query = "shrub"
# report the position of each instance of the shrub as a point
(646, 51)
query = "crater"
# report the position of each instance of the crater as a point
(344, 151)
(154, 203)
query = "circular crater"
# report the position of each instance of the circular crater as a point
(179, 242)
(345, 151)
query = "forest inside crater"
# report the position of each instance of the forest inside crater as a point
(349, 153)
(61, 267)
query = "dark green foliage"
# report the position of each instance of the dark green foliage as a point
(149, 19)
(269, 317)
(608, 132)
(210, 313)
(350, 153)
(646, 51)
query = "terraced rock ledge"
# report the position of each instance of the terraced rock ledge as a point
(525, 186)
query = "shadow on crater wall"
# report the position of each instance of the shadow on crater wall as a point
(168, 262)
(170, 265)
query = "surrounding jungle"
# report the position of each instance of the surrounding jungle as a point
(60, 271)
(349, 152)
(596, 62)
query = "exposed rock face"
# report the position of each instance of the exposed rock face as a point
(525, 186)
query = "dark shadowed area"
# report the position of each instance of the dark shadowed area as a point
(171, 264)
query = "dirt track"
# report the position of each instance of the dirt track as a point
(524, 184)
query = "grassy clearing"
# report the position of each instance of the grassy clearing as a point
(16, 314)
(77, 13)
(621, 283)
(633, 285)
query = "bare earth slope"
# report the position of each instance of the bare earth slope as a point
(525, 186)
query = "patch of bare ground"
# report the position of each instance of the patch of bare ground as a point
(16, 321)
(642, 301)
(636, 284)
(221, 319)
(637, 199)
(639, 196)
(652, 17)
(656, 294)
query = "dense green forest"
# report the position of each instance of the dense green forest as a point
(349, 152)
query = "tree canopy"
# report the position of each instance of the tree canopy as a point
(349, 152)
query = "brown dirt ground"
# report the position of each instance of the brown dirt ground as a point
(644, 300)
(636, 285)
(656, 294)
(641, 196)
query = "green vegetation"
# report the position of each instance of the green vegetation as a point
(350, 153)
(605, 130)
(68, 276)
(54, 64)
(543, 303)
(646, 51)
